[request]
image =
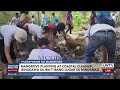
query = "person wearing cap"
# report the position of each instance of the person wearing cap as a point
(33, 30)
(43, 52)
(9, 34)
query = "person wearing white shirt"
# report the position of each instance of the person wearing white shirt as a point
(101, 35)
(9, 35)
(34, 30)
(15, 19)
(32, 19)
(114, 17)
(43, 19)
(44, 53)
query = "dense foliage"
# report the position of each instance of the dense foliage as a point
(79, 17)
(5, 16)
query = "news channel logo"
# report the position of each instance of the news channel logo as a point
(108, 69)
(12, 68)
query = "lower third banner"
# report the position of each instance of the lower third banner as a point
(32, 68)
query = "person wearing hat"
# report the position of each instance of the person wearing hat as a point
(9, 34)
(32, 30)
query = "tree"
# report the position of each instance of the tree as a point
(5, 16)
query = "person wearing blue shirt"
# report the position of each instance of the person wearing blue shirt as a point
(105, 17)
(101, 15)
(55, 18)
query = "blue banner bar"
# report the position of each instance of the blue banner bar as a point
(60, 74)
(52, 61)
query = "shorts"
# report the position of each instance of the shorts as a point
(2, 53)
(60, 27)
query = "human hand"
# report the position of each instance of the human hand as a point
(85, 28)
(17, 54)
(10, 61)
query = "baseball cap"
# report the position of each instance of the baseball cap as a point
(21, 35)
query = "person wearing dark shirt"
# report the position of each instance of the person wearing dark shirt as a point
(93, 18)
(69, 22)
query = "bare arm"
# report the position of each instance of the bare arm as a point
(95, 19)
(15, 49)
(85, 28)
(7, 53)
(42, 22)
(14, 46)
(86, 41)
(35, 38)
(12, 21)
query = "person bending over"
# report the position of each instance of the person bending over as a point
(9, 34)
(101, 35)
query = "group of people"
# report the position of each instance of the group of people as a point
(53, 27)
(101, 36)
(101, 33)
(17, 32)
(45, 21)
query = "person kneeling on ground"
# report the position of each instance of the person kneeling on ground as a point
(101, 34)
(9, 34)
(44, 53)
